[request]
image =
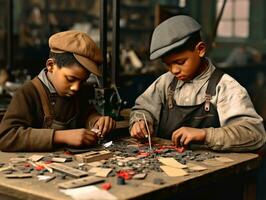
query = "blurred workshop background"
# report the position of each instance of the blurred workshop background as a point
(235, 31)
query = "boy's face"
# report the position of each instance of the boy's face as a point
(186, 65)
(67, 79)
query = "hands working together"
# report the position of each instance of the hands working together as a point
(180, 137)
(83, 136)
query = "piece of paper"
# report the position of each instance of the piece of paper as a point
(212, 162)
(195, 168)
(172, 171)
(224, 159)
(172, 163)
(89, 193)
(108, 144)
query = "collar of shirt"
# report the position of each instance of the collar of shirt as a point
(43, 77)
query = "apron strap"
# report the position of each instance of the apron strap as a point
(171, 92)
(48, 117)
(211, 88)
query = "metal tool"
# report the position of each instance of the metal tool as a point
(147, 127)
(149, 133)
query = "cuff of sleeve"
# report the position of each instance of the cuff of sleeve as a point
(209, 136)
(42, 139)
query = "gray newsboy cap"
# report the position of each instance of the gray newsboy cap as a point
(171, 34)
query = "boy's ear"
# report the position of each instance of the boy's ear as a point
(201, 48)
(50, 64)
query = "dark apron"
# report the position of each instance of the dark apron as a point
(49, 121)
(204, 115)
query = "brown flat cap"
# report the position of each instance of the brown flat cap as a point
(81, 45)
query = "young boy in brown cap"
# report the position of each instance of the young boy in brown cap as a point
(53, 108)
(194, 102)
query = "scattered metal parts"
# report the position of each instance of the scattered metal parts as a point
(121, 180)
(146, 160)
(126, 174)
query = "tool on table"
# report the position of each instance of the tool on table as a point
(147, 127)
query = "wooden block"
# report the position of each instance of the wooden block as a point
(6, 168)
(68, 170)
(93, 156)
(95, 164)
(59, 160)
(36, 157)
(80, 182)
(18, 160)
(101, 172)
(19, 175)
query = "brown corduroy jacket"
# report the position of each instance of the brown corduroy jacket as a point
(21, 127)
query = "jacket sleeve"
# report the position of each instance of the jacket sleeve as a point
(16, 129)
(241, 127)
(149, 103)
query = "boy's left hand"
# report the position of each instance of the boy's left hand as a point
(105, 124)
(184, 135)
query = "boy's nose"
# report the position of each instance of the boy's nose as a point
(175, 69)
(75, 86)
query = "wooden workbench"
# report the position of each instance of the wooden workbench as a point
(232, 180)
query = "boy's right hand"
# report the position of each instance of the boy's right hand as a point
(76, 137)
(139, 130)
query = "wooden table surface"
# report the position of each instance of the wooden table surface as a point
(32, 188)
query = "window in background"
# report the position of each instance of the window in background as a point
(235, 19)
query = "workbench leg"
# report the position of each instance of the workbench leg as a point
(250, 187)
(261, 180)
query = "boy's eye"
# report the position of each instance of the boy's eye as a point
(70, 79)
(180, 62)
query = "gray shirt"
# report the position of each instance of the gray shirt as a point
(241, 127)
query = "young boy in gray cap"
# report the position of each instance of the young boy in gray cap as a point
(53, 109)
(194, 102)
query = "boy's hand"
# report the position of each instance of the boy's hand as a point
(105, 124)
(139, 130)
(76, 137)
(184, 135)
